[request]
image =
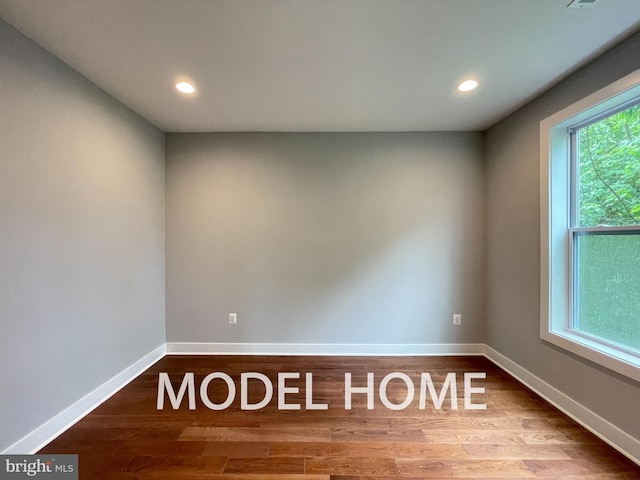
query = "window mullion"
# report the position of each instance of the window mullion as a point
(574, 208)
(603, 230)
(574, 199)
(572, 317)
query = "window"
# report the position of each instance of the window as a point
(590, 227)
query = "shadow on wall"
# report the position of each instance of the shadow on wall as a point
(324, 238)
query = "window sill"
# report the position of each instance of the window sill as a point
(619, 361)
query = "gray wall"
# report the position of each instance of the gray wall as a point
(325, 238)
(513, 226)
(81, 236)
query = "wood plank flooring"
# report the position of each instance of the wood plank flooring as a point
(519, 435)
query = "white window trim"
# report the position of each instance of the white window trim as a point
(555, 241)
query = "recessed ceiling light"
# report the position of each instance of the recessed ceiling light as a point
(467, 85)
(185, 87)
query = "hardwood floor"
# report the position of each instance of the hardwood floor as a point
(519, 435)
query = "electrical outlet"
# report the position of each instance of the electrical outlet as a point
(457, 319)
(233, 318)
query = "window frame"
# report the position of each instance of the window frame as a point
(557, 229)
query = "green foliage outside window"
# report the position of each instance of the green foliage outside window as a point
(609, 171)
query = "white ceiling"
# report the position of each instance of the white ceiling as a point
(323, 65)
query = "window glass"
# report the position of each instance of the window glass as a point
(608, 289)
(606, 263)
(608, 166)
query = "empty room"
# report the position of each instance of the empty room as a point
(320, 239)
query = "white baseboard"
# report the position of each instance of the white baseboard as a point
(179, 348)
(38, 438)
(614, 436)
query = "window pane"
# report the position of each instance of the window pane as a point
(608, 167)
(608, 287)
